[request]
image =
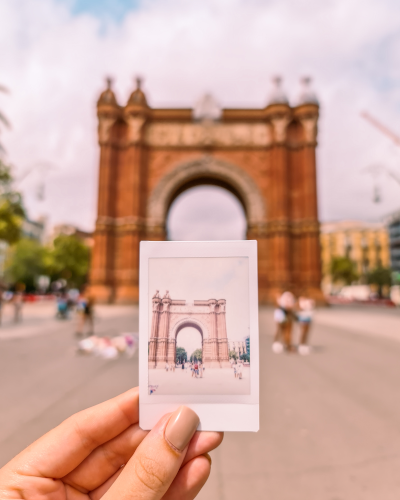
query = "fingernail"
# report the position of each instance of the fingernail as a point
(181, 427)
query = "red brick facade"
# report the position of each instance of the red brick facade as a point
(266, 157)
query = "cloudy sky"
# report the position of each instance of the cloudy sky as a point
(202, 279)
(55, 55)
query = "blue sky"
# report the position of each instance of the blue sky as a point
(114, 10)
(57, 53)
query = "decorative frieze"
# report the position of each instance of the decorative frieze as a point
(210, 133)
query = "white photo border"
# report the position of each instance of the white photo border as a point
(216, 412)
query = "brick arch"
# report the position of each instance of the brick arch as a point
(189, 322)
(205, 170)
(266, 156)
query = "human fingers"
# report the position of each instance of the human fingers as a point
(73, 440)
(101, 490)
(190, 479)
(156, 462)
(186, 485)
(105, 460)
(201, 443)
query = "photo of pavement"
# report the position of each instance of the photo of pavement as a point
(213, 381)
(329, 421)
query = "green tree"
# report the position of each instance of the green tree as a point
(380, 276)
(3, 119)
(233, 355)
(27, 260)
(11, 210)
(343, 270)
(197, 355)
(245, 357)
(70, 259)
(181, 355)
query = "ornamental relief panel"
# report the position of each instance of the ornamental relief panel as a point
(208, 134)
(190, 309)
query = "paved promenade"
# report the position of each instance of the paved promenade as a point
(329, 422)
(214, 381)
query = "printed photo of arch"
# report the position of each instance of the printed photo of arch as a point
(199, 338)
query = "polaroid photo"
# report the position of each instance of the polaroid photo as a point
(198, 332)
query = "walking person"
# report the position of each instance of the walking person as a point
(304, 317)
(201, 369)
(166, 366)
(234, 368)
(86, 311)
(284, 316)
(1, 305)
(18, 300)
(239, 370)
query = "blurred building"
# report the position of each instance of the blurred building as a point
(365, 243)
(238, 346)
(394, 241)
(247, 340)
(33, 230)
(264, 156)
(69, 230)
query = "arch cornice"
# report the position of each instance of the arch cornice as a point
(210, 168)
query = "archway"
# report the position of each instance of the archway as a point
(265, 156)
(206, 212)
(205, 171)
(189, 337)
(195, 326)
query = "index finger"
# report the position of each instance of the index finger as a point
(75, 438)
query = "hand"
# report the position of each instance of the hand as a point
(102, 452)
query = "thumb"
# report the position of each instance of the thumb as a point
(157, 460)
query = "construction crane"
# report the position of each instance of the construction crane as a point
(376, 170)
(377, 124)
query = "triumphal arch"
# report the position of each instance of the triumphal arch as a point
(170, 316)
(264, 156)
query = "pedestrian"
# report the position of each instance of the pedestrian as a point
(234, 369)
(284, 316)
(86, 311)
(62, 307)
(166, 366)
(239, 370)
(1, 305)
(196, 369)
(201, 369)
(304, 317)
(183, 365)
(18, 300)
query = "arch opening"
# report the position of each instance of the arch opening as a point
(189, 337)
(206, 210)
(205, 170)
